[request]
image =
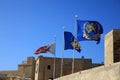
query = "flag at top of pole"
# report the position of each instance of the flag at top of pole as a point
(70, 42)
(89, 30)
(48, 48)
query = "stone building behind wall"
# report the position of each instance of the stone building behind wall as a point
(42, 67)
(45, 67)
(27, 68)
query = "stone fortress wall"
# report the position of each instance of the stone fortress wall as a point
(111, 72)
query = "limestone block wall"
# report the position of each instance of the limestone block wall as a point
(109, 48)
(111, 72)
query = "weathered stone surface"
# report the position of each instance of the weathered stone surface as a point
(111, 72)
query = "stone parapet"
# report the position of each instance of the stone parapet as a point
(111, 72)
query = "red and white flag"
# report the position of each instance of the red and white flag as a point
(44, 49)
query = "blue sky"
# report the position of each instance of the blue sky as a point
(26, 25)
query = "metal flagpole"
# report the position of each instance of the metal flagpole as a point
(73, 62)
(62, 53)
(54, 60)
(75, 35)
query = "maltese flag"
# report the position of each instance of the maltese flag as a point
(44, 49)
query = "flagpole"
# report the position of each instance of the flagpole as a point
(62, 54)
(75, 34)
(54, 60)
(73, 62)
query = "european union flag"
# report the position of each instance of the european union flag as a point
(89, 30)
(70, 42)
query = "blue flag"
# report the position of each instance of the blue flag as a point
(89, 30)
(70, 42)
